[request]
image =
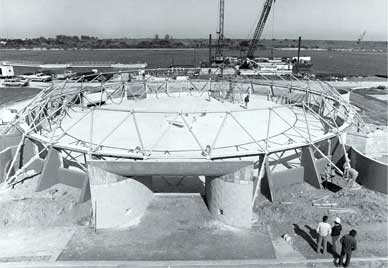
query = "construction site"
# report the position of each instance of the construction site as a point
(190, 164)
(103, 154)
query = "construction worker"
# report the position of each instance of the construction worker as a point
(209, 94)
(246, 100)
(324, 231)
(346, 168)
(329, 172)
(350, 174)
(349, 244)
(335, 234)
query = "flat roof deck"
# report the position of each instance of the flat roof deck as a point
(184, 125)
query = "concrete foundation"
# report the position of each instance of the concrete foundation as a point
(229, 197)
(117, 201)
(372, 174)
(120, 199)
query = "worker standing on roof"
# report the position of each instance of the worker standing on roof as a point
(246, 100)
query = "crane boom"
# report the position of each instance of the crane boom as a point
(220, 42)
(259, 27)
(361, 38)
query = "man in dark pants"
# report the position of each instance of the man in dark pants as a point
(335, 234)
(246, 100)
(349, 244)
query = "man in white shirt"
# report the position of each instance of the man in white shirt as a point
(324, 231)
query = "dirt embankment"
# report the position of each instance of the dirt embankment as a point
(296, 205)
(56, 206)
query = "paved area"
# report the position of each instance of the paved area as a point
(179, 232)
(179, 228)
(319, 263)
(33, 244)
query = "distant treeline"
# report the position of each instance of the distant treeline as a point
(90, 42)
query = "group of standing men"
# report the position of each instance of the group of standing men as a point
(348, 242)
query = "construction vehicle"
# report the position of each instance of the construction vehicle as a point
(299, 64)
(247, 63)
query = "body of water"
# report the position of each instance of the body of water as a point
(342, 62)
(10, 95)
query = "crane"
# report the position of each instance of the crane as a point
(220, 43)
(260, 27)
(361, 37)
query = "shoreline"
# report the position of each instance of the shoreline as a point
(192, 48)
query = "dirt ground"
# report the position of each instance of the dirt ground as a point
(173, 228)
(181, 228)
(372, 109)
(294, 214)
(56, 206)
(369, 206)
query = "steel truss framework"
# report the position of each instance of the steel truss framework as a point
(321, 113)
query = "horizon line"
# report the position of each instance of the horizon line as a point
(186, 38)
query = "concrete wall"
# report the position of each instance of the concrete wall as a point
(321, 165)
(117, 201)
(375, 144)
(7, 140)
(54, 172)
(8, 148)
(372, 174)
(229, 197)
(8, 145)
(282, 179)
(345, 94)
(311, 175)
(273, 183)
(5, 161)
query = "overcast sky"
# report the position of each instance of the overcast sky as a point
(312, 19)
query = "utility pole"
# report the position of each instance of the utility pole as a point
(298, 59)
(299, 43)
(210, 49)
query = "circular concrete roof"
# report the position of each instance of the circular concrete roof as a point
(191, 119)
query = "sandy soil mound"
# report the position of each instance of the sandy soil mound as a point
(354, 207)
(56, 206)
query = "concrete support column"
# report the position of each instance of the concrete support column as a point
(229, 197)
(118, 201)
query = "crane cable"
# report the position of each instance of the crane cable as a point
(250, 34)
(272, 33)
(273, 27)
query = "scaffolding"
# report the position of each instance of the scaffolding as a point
(318, 111)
